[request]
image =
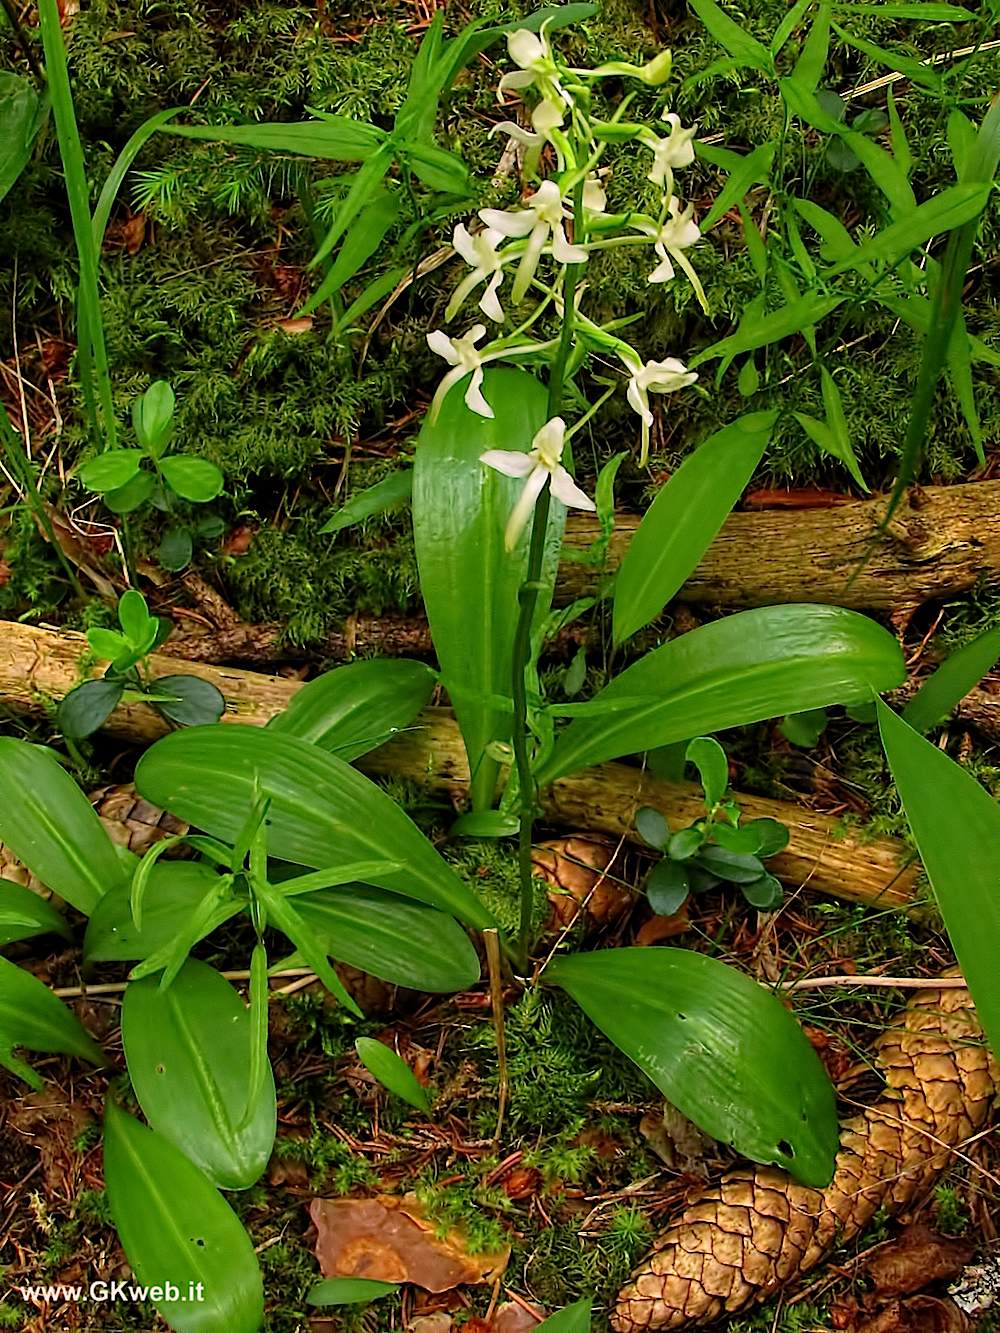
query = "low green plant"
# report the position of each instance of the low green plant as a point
(719, 849)
(183, 700)
(126, 484)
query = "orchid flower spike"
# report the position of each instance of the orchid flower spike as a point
(541, 220)
(532, 53)
(674, 151)
(671, 238)
(461, 355)
(654, 377)
(540, 465)
(479, 250)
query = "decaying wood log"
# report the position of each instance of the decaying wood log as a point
(940, 541)
(38, 665)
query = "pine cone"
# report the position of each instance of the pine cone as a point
(582, 868)
(758, 1229)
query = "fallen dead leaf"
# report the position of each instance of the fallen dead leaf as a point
(920, 1256)
(581, 869)
(294, 327)
(659, 928)
(432, 1323)
(390, 1239)
(513, 1318)
(977, 1288)
(920, 1314)
(676, 1140)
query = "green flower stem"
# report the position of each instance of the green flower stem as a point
(527, 601)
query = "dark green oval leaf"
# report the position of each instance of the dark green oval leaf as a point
(355, 708)
(731, 672)
(176, 1228)
(193, 702)
(49, 824)
(668, 886)
(322, 812)
(110, 470)
(188, 1054)
(720, 1047)
(85, 709)
(192, 478)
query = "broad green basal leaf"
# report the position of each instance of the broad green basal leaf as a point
(321, 811)
(24, 914)
(956, 826)
(188, 1054)
(392, 1072)
(32, 1017)
(176, 1228)
(468, 580)
(21, 115)
(731, 672)
(682, 521)
(401, 941)
(49, 824)
(355, 708)
(720, 1047)
(174, 891)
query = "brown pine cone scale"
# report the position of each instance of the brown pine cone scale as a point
(757, 1229)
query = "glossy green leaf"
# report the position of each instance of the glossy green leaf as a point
(49, 824)
(574, 1319)
(782, 323)
(752, 168)
(392, 1072)
(731, 672)
(188, 1054)
(24, 914)
(668, 886)
(282, 912)
(135, 492)
(175, 1227)
(32, 1017)
(651, 827)
(336, 138)
(174, 890)
(944, 212)
(764, 893)
(111, 470)
(709, 758)
(192, 478)
(682, 521)
(349, 1291)
(387, 494)
(485, 824)
(468, 580)
(733, 867)
(732, 38)
(190, 701)
(804, 729)
(956, 825)
(811, 63)
(322, 811)
(952, 681)
(720, 1048)
(401, 941)
(21, 115)
(773, 836)
(153, 416)
(354, 708)
(175, 549)
(87, 707)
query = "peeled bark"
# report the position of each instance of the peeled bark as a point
(37, 665)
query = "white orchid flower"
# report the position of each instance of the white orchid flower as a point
(543, 463)
(671, 238)
(594, 198)
(532, 53)
(464, 359)
(541, 221)
(654, 377)
(673, 151)
(545, 118)
(479, 250)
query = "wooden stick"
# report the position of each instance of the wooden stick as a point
(899, 983)
(39, 665)
(491, 938)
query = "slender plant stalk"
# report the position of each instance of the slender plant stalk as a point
(10, 448)
(92, 352)
(527, 598)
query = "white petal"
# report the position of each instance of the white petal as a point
(549, 442)
(529, 261)
(474, 399)
(463, 244)
(663, 272)
(517, 222)
(489, 302)
(563, 252)
(525, 48)
(521, 512)
(518, 133)
(441, 393)
(474, 334)
(564, 488)
(468, 284)
(439, 342)
(638, 401)
(546, 116)
(509, 462)
(516, 80)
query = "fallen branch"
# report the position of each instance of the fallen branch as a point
(39, 665)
